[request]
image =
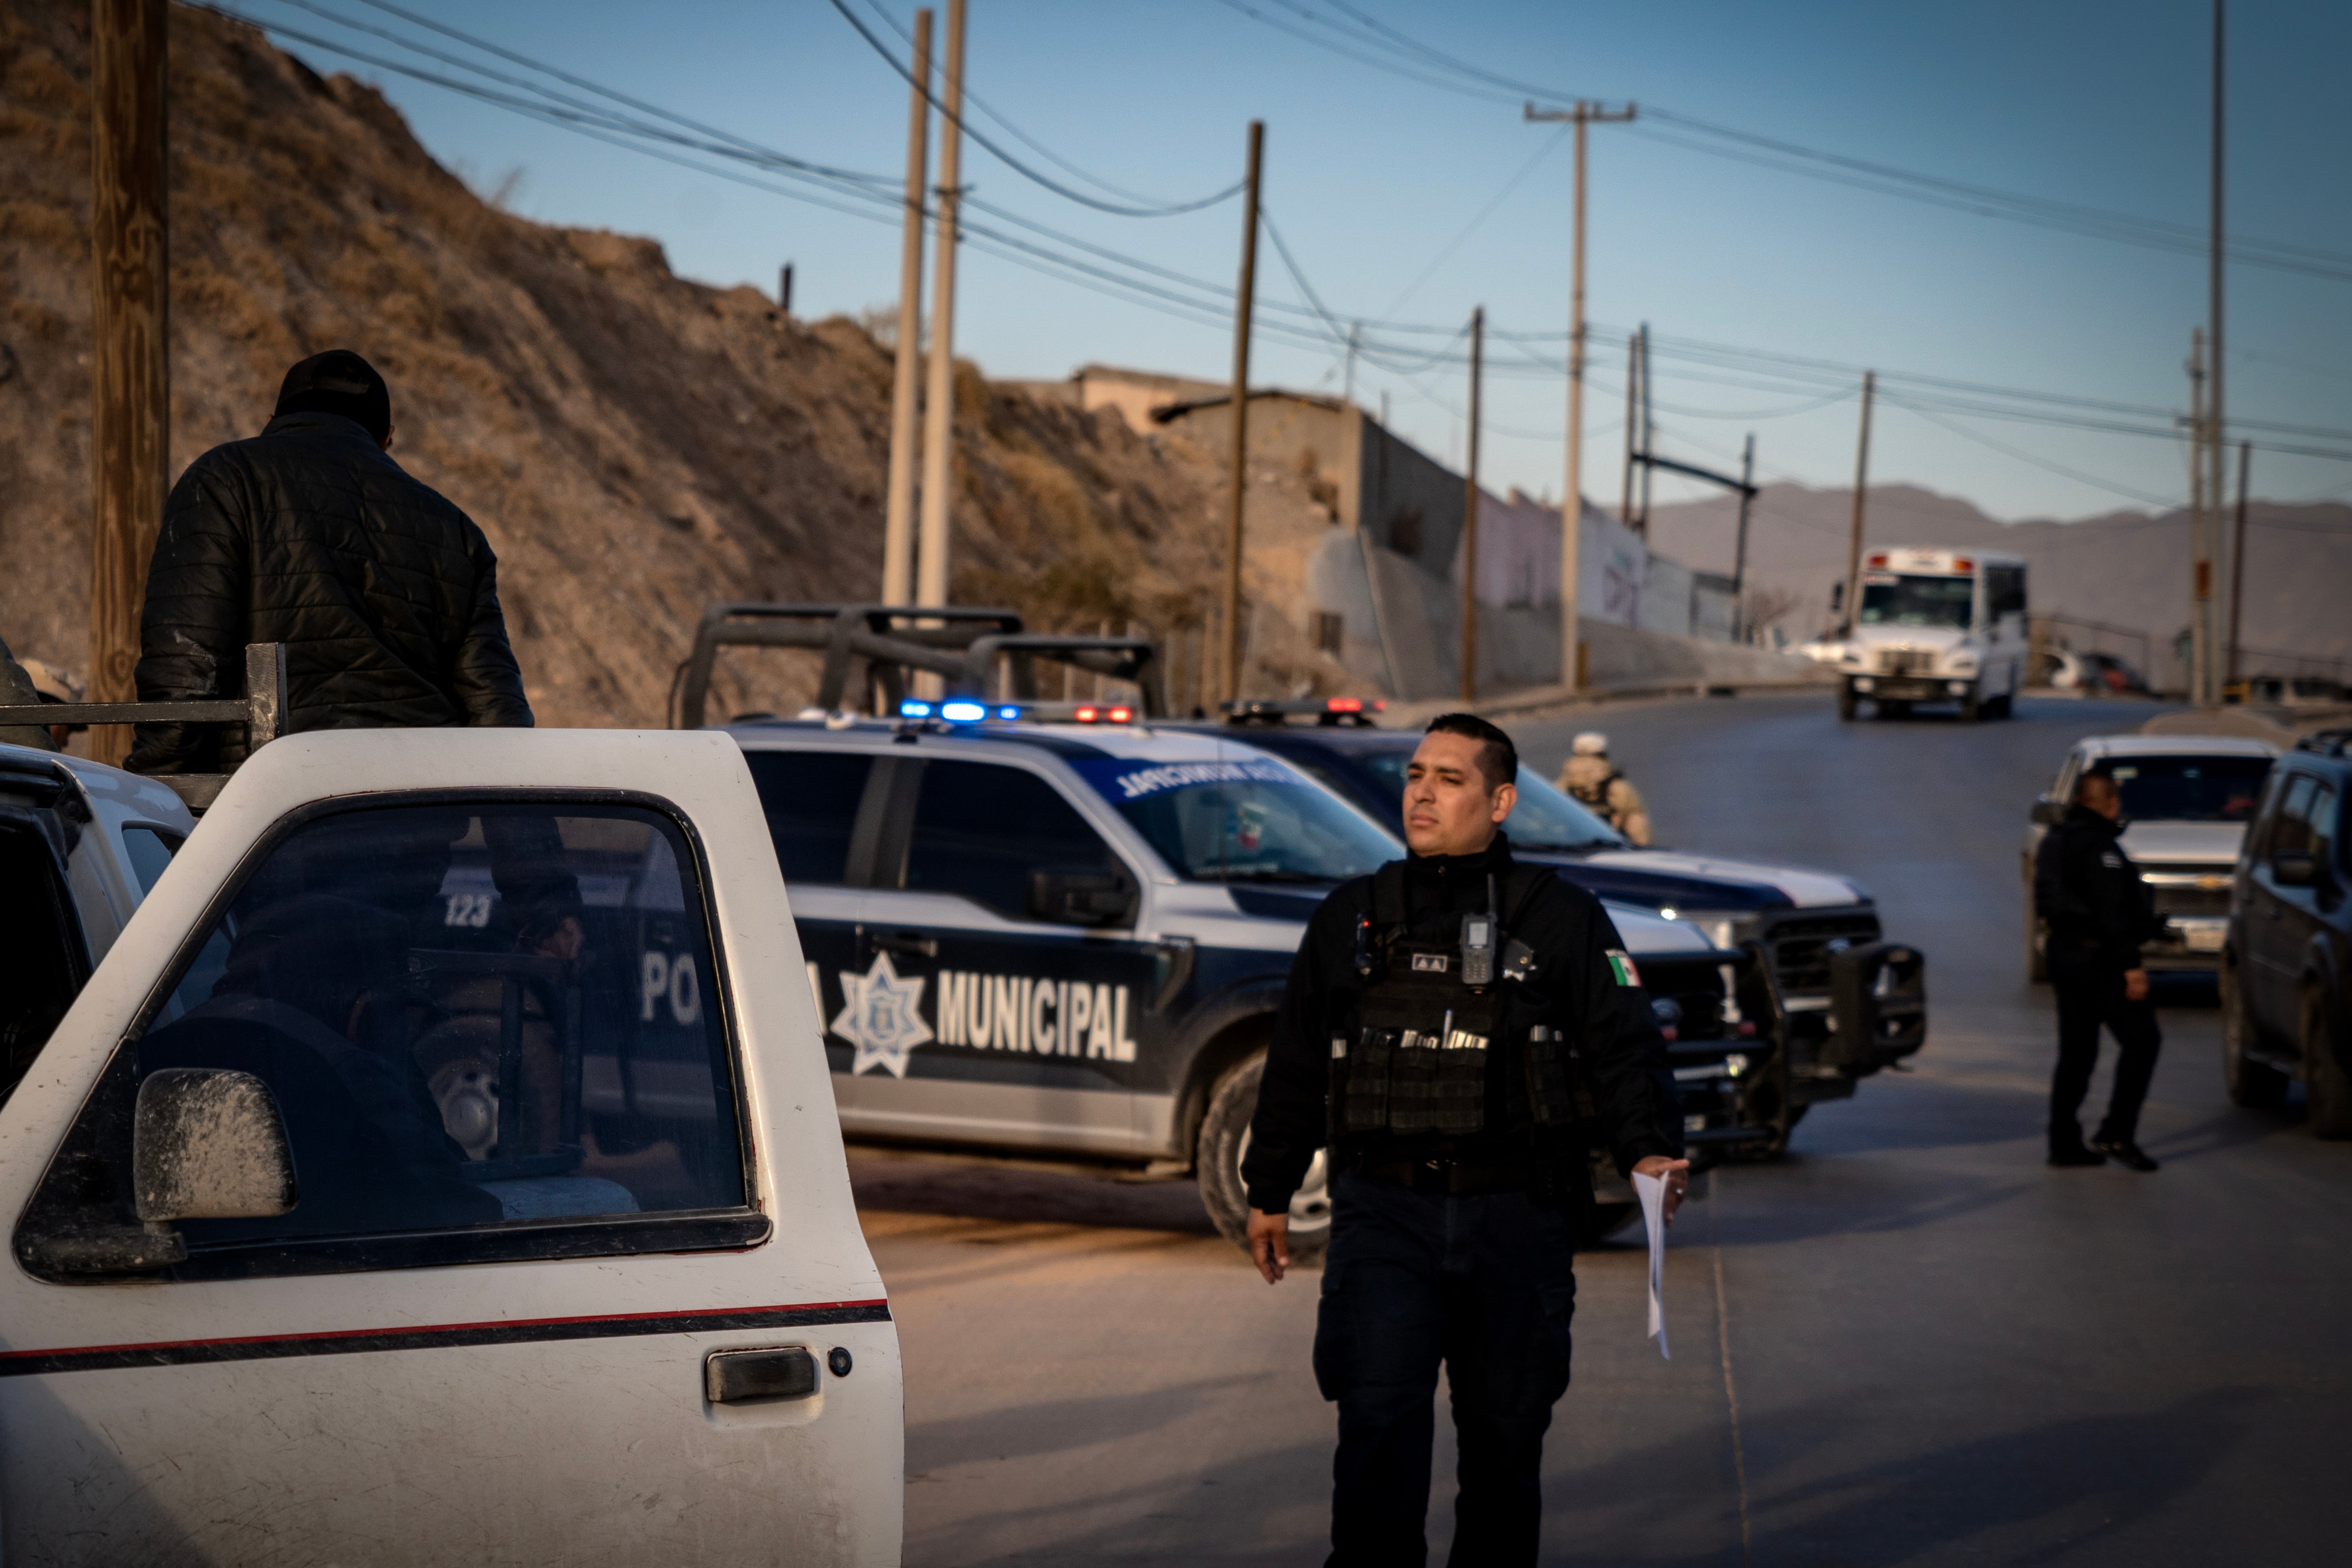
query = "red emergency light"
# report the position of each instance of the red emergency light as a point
(1964, 566)
(1121, 715)
(1087, 715)
(1879, 559)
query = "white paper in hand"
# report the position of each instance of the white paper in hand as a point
(1652, 1191)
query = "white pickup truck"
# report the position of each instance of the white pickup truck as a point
(428, 1156)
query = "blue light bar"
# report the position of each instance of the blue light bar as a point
(962, 712)
(911, 708)
(1008, 713)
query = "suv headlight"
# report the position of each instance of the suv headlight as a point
(1961, 663)
(1724, 930)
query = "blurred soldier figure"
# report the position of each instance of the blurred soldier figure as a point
(386, 595)
(2099, 911)
(1594, 780)
(55, 685)
(17, 689)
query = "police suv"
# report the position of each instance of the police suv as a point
(1856, 1004)
(1066, 931)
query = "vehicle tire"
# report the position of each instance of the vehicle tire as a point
(1224, 1138)
(1972, 707)
(2256, 1085)
(1601, 1221)
(2037, 945)
(2001, 705)
(1846, 703)
(1893, 709)
(2326, 1086)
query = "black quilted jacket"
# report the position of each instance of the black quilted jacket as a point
(385, 595)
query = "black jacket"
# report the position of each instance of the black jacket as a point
(385, 595)
(2091, 894)
(1618, 1038)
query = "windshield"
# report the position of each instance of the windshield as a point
(1250, 819)
(1544, 819)
(2189, 789)
(1909, 601)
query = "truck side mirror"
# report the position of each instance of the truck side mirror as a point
(2292, 869)
(2049, 811)
(1080, 897)
(207, 1143)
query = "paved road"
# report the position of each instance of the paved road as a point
(1907, 1342)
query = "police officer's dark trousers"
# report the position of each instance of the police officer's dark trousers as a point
(2091, 993)
(1481, 1283)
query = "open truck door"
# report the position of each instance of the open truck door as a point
(441, 1166)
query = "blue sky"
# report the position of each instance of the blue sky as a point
(1370, 176)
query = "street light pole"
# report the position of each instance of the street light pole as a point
(931, 576)
(1470, 515)
(1245, 303)
(906, 392)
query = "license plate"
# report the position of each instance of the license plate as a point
(2205, 939)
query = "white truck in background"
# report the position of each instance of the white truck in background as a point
(1934, 625)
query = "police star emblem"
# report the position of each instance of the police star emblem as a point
(882, 1015)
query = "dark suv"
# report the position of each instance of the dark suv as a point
(2286, 966)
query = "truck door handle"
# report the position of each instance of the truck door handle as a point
(912, 943)
(730, 1377)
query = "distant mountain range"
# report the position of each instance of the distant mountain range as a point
(2128, 569)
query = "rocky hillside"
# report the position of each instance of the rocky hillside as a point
(634, 444)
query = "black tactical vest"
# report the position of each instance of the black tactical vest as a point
(1430, 1017)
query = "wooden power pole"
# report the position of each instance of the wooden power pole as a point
(906, 391)
(2207, 692)
(131, 386)
(1572, 510)
(2238, 555)
(1739, 548)
(1470, 514)
(1861, 489)
(939, 413)
(1245, 303)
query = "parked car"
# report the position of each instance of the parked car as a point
(2286, 966)
(1819, 933)
(427, 1156)
(2094, 675)
(2187, 800)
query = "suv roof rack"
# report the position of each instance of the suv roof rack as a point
(962, 646)
(1329, 710)
(2326, 742)
(262, 712)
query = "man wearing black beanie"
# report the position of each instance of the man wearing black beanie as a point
(309, 534)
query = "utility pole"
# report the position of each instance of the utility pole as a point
(1245, 304)
(1582, 114)
(2238, 555)
(1649, 435)
(1861, 487)
(1470, 515)
(1355, 331)
(2207, 692)
(905, 390)
(131, 386)
(1632, 402)
(2204, 482)
(784, 290)
(939, 413)
(1739, 549)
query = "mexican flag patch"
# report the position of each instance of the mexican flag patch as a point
(1620, 964)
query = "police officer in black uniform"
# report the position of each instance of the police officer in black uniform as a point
(1443, 1019)
(2098, 912)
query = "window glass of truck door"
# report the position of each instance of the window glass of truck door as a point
(980, 828)
(469, 1014)
(2321, 816)
(150, 850)
(2189, 789)
(811, 800)
(2290, 834)
(1909, 599)
(2004, 591)
(1248, 819)
(42, 938)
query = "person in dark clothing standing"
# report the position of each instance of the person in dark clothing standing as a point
(309, 534)
(2098, 912)
(1439, 1017)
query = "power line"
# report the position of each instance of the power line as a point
(1451, 246)
(1160, 209)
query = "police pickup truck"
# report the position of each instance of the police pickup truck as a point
(1856, 1002)
(426, 1156)
(1062, 929)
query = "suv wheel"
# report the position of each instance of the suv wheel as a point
(2256, 1085)
(1224, 1140)
(1846, 700)
(2325, 1084)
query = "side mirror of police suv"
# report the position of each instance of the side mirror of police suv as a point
(1080, 897)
